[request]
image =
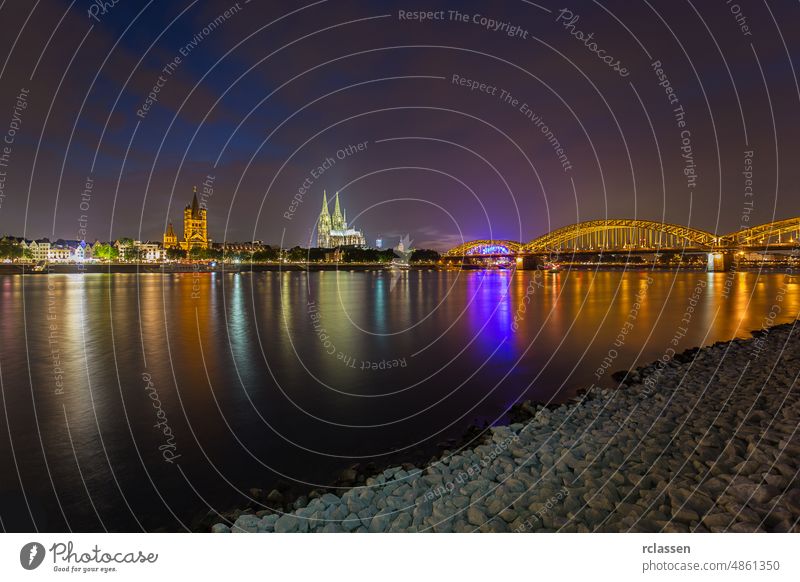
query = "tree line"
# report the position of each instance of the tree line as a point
(265, 254)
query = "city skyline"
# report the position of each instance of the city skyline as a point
(670, 144)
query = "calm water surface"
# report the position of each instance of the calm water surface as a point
(244, 379)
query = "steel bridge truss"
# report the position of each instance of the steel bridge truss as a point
(639, 235)
(781, 232)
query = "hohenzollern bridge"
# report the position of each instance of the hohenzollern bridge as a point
(636, 237)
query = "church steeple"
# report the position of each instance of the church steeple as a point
(324, 223)
(170, 240)
(337, 215)
(325, 211)
(195, 205)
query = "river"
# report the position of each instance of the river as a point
(139, 401)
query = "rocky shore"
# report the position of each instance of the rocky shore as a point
(703, 441)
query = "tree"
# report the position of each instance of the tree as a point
(297, 254)
(105, 251)
(176, 254)
(10, 250)
(359, 255)
(235, 256)
(424, 256)
(197, 254)
(265, 254)
(317, 254)
(200, 254)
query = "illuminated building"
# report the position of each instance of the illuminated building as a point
(333, 231)
(195, 228)
(170, 239)
(39, 249)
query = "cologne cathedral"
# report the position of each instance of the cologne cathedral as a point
(333, 231)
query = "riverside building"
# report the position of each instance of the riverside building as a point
(195, 228)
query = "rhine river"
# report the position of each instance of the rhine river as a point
(139, 401)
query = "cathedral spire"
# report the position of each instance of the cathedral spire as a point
(337, 221)
(195, 205)
(336, 210)
(325, 211)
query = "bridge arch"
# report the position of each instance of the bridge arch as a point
(773, 233)
(621, 234)
(479, 248)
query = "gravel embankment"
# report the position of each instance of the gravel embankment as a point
(707, 441)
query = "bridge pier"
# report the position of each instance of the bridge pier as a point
(720, 261)
(528, 262)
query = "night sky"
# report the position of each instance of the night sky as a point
(261, 95)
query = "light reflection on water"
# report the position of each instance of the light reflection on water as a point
(252, 390)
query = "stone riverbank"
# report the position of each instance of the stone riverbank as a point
(705, 441)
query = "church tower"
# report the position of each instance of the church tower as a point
(195, 226)
(324, 224)
(337, 222)
(170, 239)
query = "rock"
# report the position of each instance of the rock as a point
(246, 523)
(599, 501)
(348, 476)
(514, 485)
(275, 496)
(422, 512)
(495, 526)
(508, 515)
(693, 499)
(685, 515)
(792, 500)
(336, 512)
(330, 499)
(267, 523)
(765, 493)
(220, 528)
(460, 501)
(720, 520)
(741, 490)
(287, 523)
(401, 523)
(354, 505)
(778, 481)
(519, 452)
(445, 526)
(351, 522)
(380, 522)
(746, 527)
(475, 516)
